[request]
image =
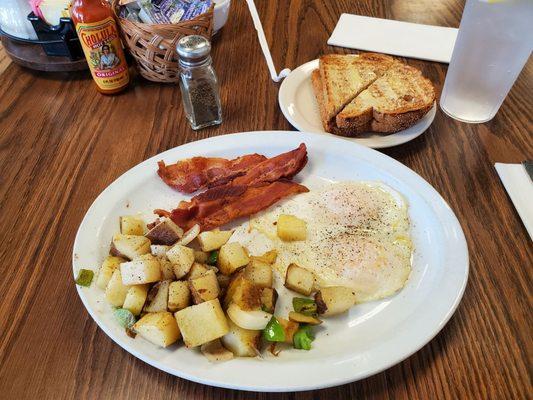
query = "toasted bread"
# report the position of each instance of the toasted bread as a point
(328, 124)
(319, 94)
(393, 102)
(343, 77)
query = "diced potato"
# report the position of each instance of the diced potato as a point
(269, 297)
(144, 269)
(130, 225)
(159, 250)
(223, 281)
(204, 287)
(269, 257)
(242, 342)
(182, 258)
(157, 297)
(135, 298)
(259, 273)
(159, 328)
(334, 300)
(231, 257)
(109, 265)
(165, 232)
(129, 246)
(299, 279)
(303, 319)
(289, 327)
(254, 320)
(167, 269)
(234, 284)
(243, 293)
(197, 270)
(291, 228)
(211, 268)
(213, 240)
(179, 296)
(202, 323)
(200, 256)
(214, 351)
(116, 291)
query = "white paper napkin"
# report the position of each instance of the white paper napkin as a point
(427, 42)
(520, 189)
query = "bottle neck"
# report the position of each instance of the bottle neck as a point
(90, 10)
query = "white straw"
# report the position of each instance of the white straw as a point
(264, 45)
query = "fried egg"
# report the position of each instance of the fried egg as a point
(358, 235)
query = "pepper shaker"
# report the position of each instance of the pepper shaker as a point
(198, 82)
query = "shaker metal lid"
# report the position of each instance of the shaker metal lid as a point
(193, 47)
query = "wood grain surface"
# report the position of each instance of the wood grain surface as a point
(4, 59)
(61, 144)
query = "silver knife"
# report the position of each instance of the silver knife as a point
(528, 166)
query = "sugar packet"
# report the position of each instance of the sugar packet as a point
(170, 11)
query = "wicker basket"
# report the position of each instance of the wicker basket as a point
(154, 46)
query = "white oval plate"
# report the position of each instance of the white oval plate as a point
(368, 339)
(298, 104)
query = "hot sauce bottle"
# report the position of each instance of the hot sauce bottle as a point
(98, 33)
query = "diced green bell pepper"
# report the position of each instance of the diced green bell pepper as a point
(212, 258)
(303, 337)
(85, 277)
(274, 332)
(124, 317)
(304, 306)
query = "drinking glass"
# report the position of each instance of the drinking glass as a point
(494, 42)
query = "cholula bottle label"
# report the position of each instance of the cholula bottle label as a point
(103, 50)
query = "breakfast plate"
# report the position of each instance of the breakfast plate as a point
(299, 106)
(371, 337)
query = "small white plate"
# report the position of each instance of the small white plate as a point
(298, 104)
(368, 339)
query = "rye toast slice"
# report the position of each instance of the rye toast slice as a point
(328, 124)
(394, 102)
(319, 94)
(343, 77)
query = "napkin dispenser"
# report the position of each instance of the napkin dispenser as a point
(57, 40)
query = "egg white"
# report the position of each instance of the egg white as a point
(358, 235)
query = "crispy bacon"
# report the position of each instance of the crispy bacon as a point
(251, 186)
(197, 173)
(285, 165)
(221, 205)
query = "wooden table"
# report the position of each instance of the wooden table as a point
(62, 144)
(4, 59)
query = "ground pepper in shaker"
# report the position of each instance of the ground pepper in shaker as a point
(198, 82)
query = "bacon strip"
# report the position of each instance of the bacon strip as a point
(221, 205)
(197, 173)
(233, 194)
(285, 165)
